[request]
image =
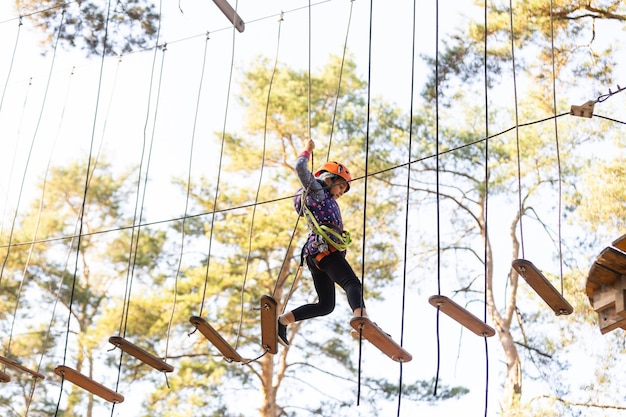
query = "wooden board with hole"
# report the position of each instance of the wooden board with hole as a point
(461, 315)
(542, 287)
(216, 339)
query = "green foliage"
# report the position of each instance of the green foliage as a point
(132, 25)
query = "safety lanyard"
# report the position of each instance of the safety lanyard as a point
(323, 230)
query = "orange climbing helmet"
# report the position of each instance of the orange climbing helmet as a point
(337, 169)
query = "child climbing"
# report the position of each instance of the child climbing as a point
(325, 248)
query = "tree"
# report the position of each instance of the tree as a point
(118, 27)
(537, 179)
(89, 291)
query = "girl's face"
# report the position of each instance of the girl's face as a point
(339, 187)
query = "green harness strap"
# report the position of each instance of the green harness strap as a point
(324, 231)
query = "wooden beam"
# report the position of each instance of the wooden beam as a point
(269, 324)
(620, 296)
(461, 315)
(88, 384)
(144, 356)
(230, 14)
(216, 339)
(610, 321)
(20, 367)
(542, 287)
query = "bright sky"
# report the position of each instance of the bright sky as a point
(59, 125)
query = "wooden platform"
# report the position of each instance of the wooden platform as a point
(461, 315)
(542, 287)
(606, 286)
(144, 356)
(269, 324)
(229, 353)
(15, 365)
(88, 384)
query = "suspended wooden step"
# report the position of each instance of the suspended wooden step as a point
(606, 288)
(214, 337)
(88, 384)
(542, 287)
(269, 324)
(463, 316)
(146, 357)
(364, 328)
(15, 365)
(4, 377)
(230, 13)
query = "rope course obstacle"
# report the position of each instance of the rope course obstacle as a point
(606, 282)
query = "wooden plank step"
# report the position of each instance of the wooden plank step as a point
(20, 367)
(461, 315)
(542, 287)
(144, 356)
(269, 324)
(216, 339)
(88, 384)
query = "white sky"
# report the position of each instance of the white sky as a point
(61, 127)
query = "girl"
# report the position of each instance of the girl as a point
(325, 249)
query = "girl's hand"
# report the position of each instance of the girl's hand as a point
(310, 145)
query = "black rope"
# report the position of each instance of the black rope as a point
(367, 142)
(486, 256)
(437, 155)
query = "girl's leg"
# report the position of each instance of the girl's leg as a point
(340, 271)
(325, 289)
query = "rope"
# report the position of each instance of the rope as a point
(84, 202)
(558, 153)
(343, 58)
(139, 205)
(437, 190)
(367, 135)
(219, 174)
(486, 256)
(519, 169)
(407, 208)
(258, 190)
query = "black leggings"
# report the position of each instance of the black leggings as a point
(332, 269)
